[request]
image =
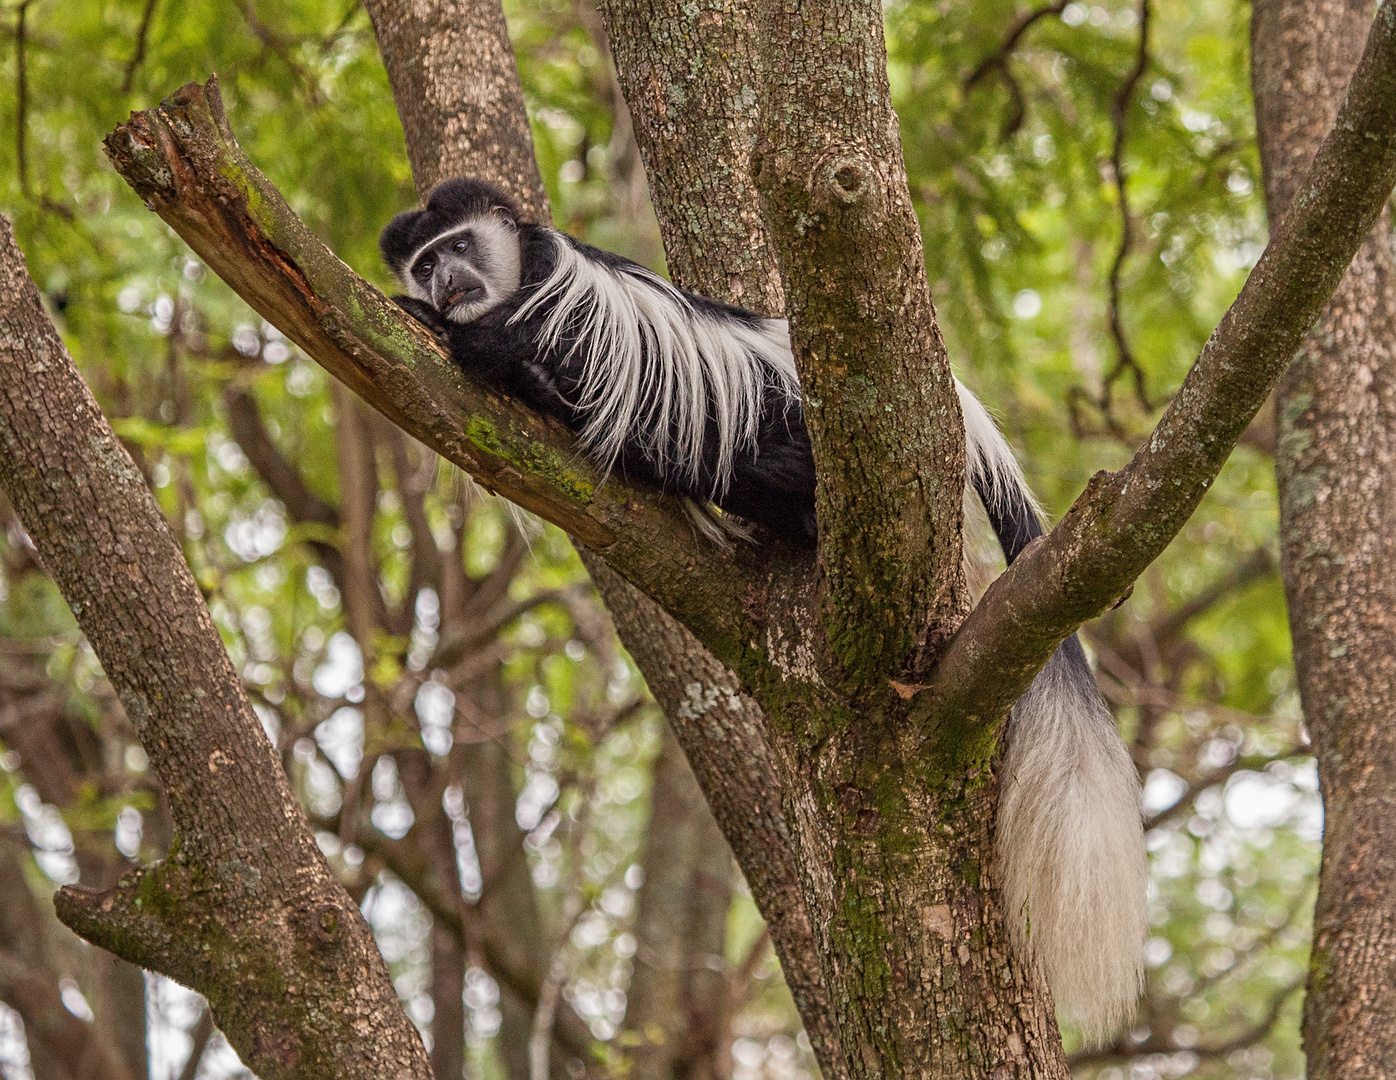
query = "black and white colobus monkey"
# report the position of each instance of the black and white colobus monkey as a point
(704, 400)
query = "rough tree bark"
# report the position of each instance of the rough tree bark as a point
(882, 411)
(693, 78)
(885, 801)
(1336, 466)
(261, 927)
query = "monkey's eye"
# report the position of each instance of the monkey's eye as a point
(424, 269)
(459, 246)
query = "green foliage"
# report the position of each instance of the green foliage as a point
(1020, 215)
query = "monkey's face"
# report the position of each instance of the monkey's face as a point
(468, 270)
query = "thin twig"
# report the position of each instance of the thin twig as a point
(22, 102)
(22, 119)
(1125, 360)
(1119, 117)
(1116, 1053)
(739, 981)
(276, 43)
(1259, 564)
(998, 61)
(138, 54)
(999, 58)
(1215, 778)
(343, 24)
(545, 1015)
(1162, 1014)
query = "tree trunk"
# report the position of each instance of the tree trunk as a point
(673, 1010)
(448, 134)
(447, 995)
(1336, 466)
(245, 910)
(896, 980)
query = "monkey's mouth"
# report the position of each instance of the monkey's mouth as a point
(465, 296)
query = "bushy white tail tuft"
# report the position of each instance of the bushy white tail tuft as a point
(1069, 840)
(1070, 847)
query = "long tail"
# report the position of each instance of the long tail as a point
(1069, 838)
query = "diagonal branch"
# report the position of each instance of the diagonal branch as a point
(182, 158)
(999, 57)
(1124, 520)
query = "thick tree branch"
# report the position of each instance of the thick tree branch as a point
(246, 901)
(690, 72)
(1124, 520)
(182, 158)
(457, 90)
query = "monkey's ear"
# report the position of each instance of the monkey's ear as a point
(396, 240)
(507, 215)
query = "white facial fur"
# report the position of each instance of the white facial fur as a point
(496, 260)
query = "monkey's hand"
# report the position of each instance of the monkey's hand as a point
(424, 313)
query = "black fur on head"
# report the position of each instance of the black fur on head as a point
(450, 203)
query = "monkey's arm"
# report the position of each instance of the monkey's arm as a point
(424, 313)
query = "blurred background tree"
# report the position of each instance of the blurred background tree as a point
(478, 755)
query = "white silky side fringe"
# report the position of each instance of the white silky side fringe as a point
(658, 368)
(988, 455)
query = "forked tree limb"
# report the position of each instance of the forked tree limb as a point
(1124, 520)
(245, 909)
(181, 157)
